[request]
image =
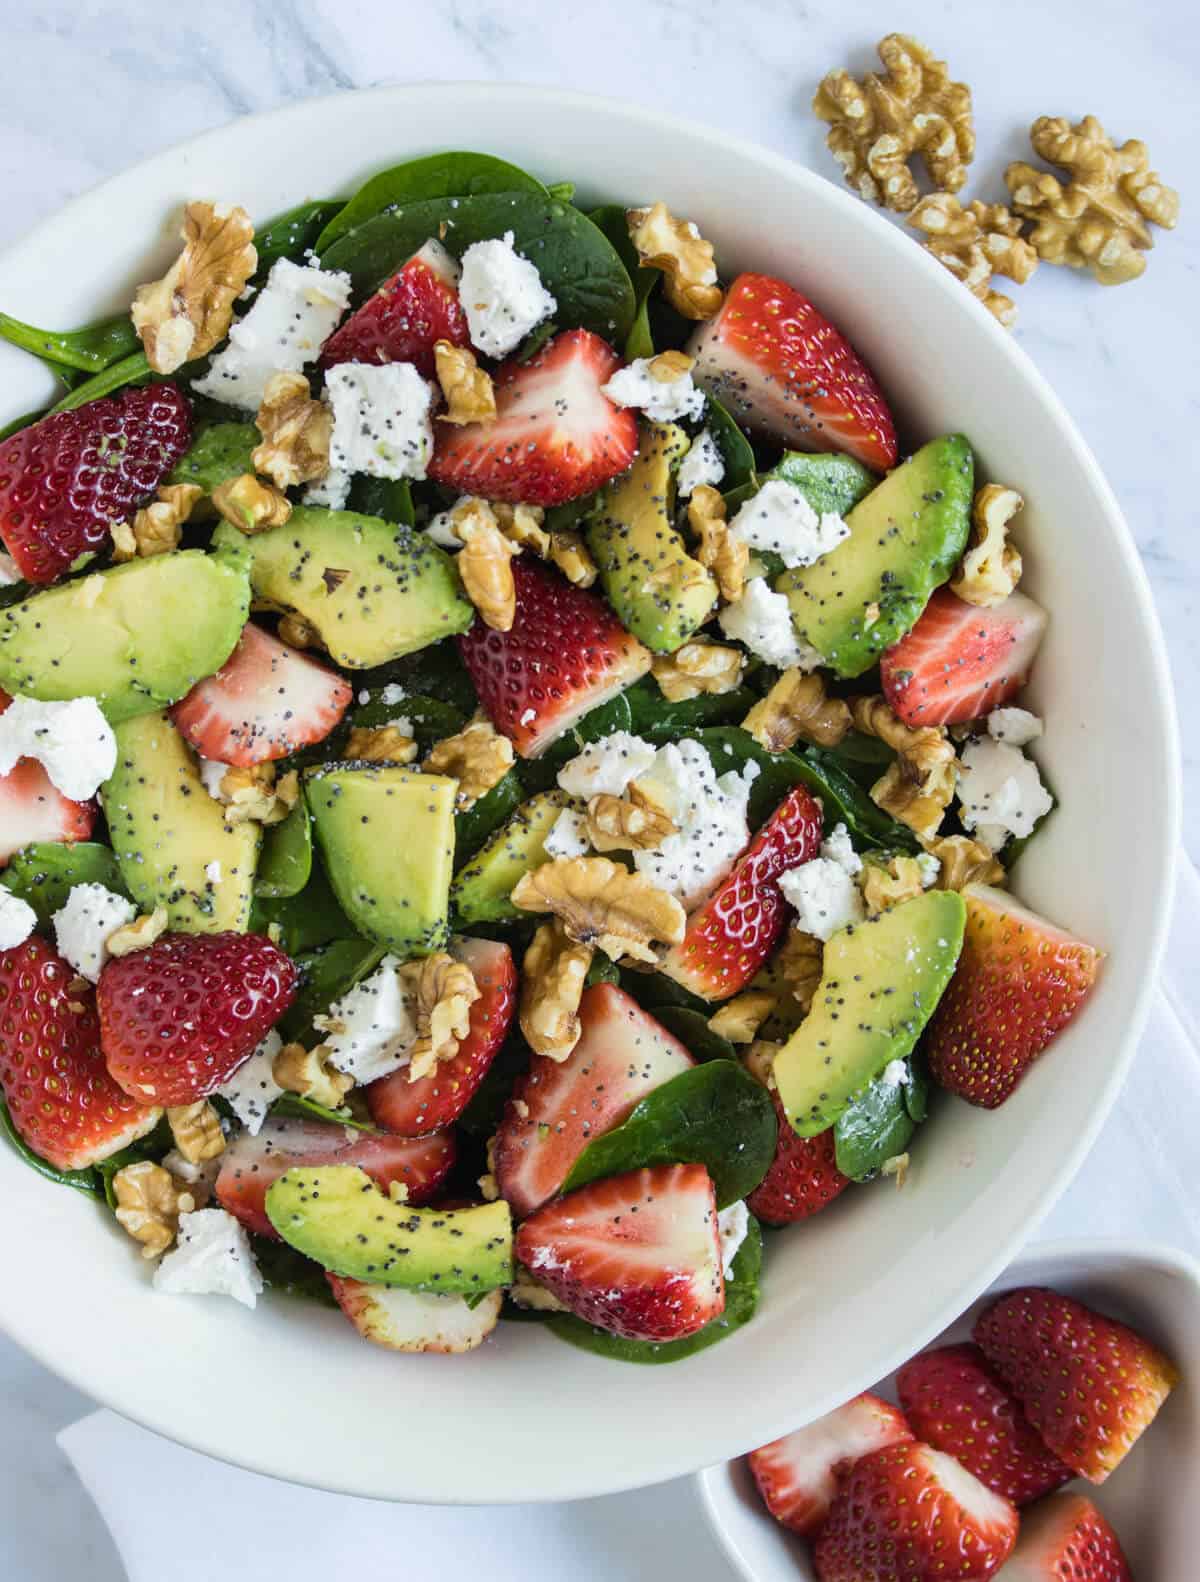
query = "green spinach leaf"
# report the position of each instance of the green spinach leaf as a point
(292, 1274)
(293, 233)
(326, 973)
(89, 349)
(602, 970)
(431, 719)
(692, 1030)
(610, 218)
(540, 774)
(828, 481)
(307, 920)
(218, 452)
(388, 498)
(285, 866)
(736, 451)
(875, 1128)
(291, 1106)
(475, 825)
(130, 370)
(44, 873)
(659, 721)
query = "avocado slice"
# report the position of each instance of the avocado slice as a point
(481, 890)
(135, 637)
(659, 592)
(387, 837)
(336, 1215)
(167, 831)
(906, 537)
(879, 986)
(373, 590)
(219, 452)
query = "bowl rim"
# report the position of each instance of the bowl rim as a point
(1159, 845)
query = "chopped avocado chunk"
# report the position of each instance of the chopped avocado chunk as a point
(387, 837)
(880, 983)
(373, 590)
(481, 889)
(219, 452)
(168, 833)
(135, 637)
(906, 537)
(336, 1215)
(826, 479)
(659, 592)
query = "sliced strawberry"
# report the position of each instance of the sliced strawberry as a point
(266, 701)
(911, 1514)
(803, 1178)
(956, 1403)
(556, 435)
(638, 1254)
(733, 933)
(67, 478)
(1018, 982)
(566, 654)
(1067, 1539)
(414, 1108)
(557, 1107)
(1090, 1386)
(60, 1096)
(780, 367)
(406, 317)
(250, 1164)
(31, 808)
(798, 1475)
(961, 661)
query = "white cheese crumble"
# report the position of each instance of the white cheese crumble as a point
(662, 400)
(928, 866)
(502, 295)
(607, 765)
(290, 320)
(702, 464)
(205, 1171)
(211, 1257)
(9, 574)
(837, 847)
(568, 836)
(825, 896)
(780, 519)
(1017, 727)
(381, 419)
(1000, 791)
(212, 772)
(252, 1088)
(392, 694)
(710, 819)
(370, 1030)
(71, 740)
(895, 1074)
(84, 922)
(733, 1225)
(763, 621)
(17, 919)
(332, 491)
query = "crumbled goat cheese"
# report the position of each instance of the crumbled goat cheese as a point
(502, 295)
(837, 847)
(1000, 791)
(762, 620)
(381, 419)
(332, 491)
(826, 898)
(780, 519)
(733, 1224)
(83, 923)
(568, 836)
(702, 464)
(204, 1172)
(1017, 727)
(392, 694)
(929, 867)
(17, 919)
(370, 1030)
(710, 819)
(252, 1089)
(9, 573)
(212, 772)
(71, 740)
(895, 1074)
(289, 321)
(607, 765)
(662, 400)
(211, 1257)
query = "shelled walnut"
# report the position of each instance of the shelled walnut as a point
(976, 241)
(686, 260)
(184, 315)
(552, 979)
(601, 903)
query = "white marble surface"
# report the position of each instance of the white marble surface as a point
(92, 87)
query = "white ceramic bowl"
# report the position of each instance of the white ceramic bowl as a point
(1150, 1499)
(292, 1392)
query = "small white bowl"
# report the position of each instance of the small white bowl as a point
(1150, 1499)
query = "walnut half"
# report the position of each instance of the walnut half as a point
(617, 824)
(443, 991)
(685, 258)
(295, 430)
(184, 315)
(478, 757)
(991, 567)
(155, 529)
(308, 1073)
(718, 550)
(601, 903)
(251, 505)
(196, 1129)
(698, 667)
(149, 1203)
(552, 978)
(796, 709)
(466, 386)
(919, 787)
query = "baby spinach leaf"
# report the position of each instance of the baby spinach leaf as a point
(285, 1270)
(89, 349)
(293, 233)
(308, 919)
(130, 370)
(44, 873)
(326, 973)
(575, 260)
(448, 175)
(218, 452)
(287, 855)
(741, 1303)
(602, 970)
(610, 218)
(659, 721)
(736, 451)
(388, 498)
(291, 1106)
(654, 989)
(82, 1180)
(851, 804)
(875, 1128)
(692, 1030)
(473, 827)
(716, 1115)
(430, 718)
(434, 672)
(828, 481)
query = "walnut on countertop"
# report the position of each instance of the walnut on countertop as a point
(686, 260)
(976, 241)
(601, 903)
(184, 315)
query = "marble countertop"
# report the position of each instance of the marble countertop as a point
(91, 88)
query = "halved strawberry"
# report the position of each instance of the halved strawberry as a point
(414, 1108)
(1067, 1539)
(781, 367)
(66, 479)
(32, 808)
(1018, 982)
(911, 1514)
(566, 654)
(798, 1475)
(803, 1178)
(730, 937)
(60, 1096)
(636, 1254)
(557, 1107)
(416, 1320)
(1090, 1385)
(266, 701)
(961, 661)
(250, 1164)
(955, 1402)
(405, 318)
(556, 435)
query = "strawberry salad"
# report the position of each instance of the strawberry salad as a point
(508, 774)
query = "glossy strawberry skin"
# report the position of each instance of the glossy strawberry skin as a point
(731, 936)
(1066, 1539)
(59, 1094)
(178, 1018)
(803, 1177)
(403, 321)
(66, 478)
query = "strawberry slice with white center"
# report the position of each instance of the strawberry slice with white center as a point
(1018, 982)
(730, 937)
(557, 1107)
(798, 1475)
(1067, 1539)
(416, 1320)
(780, 367)
(637, 1254)
(32, 808)
(406, 317)
(566, 654)
(250, 1164)
(556, 435)
(266, 701)
(413, 1109)
(961, 661)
